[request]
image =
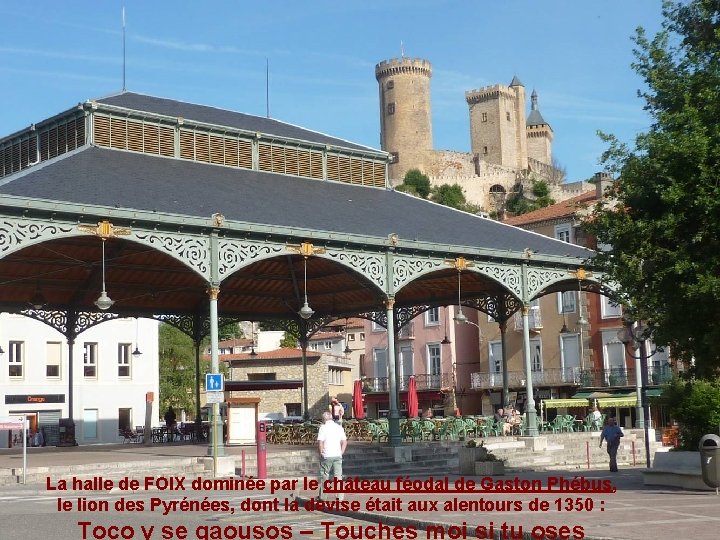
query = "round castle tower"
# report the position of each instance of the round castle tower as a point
(405, 113)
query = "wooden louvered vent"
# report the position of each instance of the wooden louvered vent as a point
(134, 135)
(355, 170)
(59, 139)
(290, 160)
(216, 149)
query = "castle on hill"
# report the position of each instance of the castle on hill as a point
(508, 148)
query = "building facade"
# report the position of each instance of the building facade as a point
(111, 384)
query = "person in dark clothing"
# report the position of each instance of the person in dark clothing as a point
(170, 422)
(611, 433)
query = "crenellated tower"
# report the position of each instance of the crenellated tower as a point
(405, 113)
(497, 124)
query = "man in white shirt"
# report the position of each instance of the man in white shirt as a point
(332, 442)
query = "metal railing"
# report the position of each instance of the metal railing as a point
(593, 378)
(534, 319)
(424, 381)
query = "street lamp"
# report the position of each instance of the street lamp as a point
(638, 334)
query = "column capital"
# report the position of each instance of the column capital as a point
(390, 302)
(213, 292)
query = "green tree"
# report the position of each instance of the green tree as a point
(417, 183)
(449, 195)
(696, 408)
(519, 203)
(177, 369)
(664, 227)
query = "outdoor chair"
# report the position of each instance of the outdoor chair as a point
(128, 435)
(427, 430)
(556, 425)
(471, 427)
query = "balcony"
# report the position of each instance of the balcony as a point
(591, 378)
(424, 382)
(516, 379)
(534, 319)
(407, 331)
(600, 378)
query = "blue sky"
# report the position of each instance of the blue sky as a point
(322, 53)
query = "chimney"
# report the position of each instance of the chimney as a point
(603, 180)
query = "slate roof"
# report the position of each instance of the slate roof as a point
(222, 117)
(97, 176)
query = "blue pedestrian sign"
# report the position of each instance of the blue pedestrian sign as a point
(214, 382)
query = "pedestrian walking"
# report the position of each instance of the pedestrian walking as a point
(332, 443)
(611, 433)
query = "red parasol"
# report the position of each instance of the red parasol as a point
(412, 399)
(358, 409)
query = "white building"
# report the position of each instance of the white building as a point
(110, 384)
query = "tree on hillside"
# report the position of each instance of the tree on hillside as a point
(664, 231)
(449, 195)
(519, 202)
(417, 183)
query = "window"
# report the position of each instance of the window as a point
(485, 150)
(570, 354)
(507, 115)
(432, 317)
(434, 366)
(53, 354)
(390, 85)
(123, 359)
(362, 336)
(262, 376)
(562, 232)
(614, 353)
(566, 302)
(608, 309)
(394, 157)
(90, 360)
(380, 367)
(90, 421)
(495, 351)
(328, 345)
(391, 108)
(483, 117)
(15, 358)
(536, 353)
(293, 409)
(351, 337)
(377, 327)
(125, 419)
(313, 346)
(335, 376)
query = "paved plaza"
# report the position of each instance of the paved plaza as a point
(632, 511)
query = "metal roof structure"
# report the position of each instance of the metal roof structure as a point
(200, 211)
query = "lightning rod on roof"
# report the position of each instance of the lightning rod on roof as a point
(267, 87)
(123, 45)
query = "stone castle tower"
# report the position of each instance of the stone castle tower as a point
(497, 124)
(405, 112)
(507, 148)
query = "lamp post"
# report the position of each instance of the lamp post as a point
(637, 334)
